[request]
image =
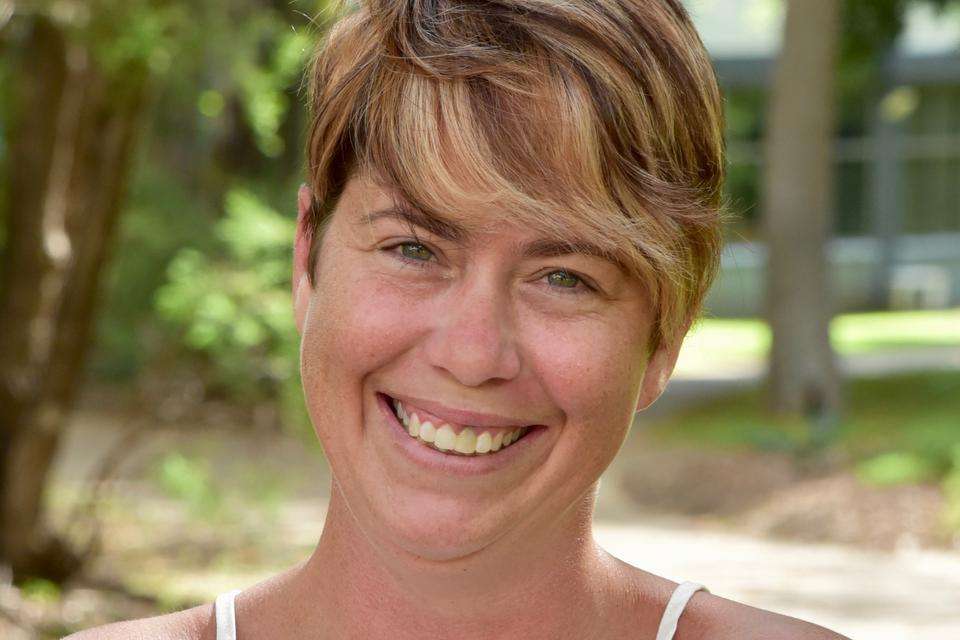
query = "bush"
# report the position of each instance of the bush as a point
(235, 309)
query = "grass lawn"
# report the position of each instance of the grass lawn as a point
(898, 428)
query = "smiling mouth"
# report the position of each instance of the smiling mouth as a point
(462, 440)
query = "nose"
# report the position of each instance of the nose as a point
(473, 338)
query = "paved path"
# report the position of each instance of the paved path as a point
(907, 595)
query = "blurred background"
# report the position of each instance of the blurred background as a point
(154, 448)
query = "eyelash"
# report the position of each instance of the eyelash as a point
(421, 264)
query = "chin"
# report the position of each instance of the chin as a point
(443, 528)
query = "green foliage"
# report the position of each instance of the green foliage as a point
(744, 110)
(870, 27)
(40, 590)
(137, 33)
(897, 467)
(262, 88)
(225, 77)
(162, 217)
(235, 307)
(189, 480)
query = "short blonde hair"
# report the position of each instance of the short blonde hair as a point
(590, 120)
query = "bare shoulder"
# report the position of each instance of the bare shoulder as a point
(196, 623)
(719, 618)
(706, 615)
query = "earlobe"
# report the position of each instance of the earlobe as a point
(654, 382)
(660, 367)
(657, 375)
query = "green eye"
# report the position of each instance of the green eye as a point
(563, 279)
(415, 251)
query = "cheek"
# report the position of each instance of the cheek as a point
(592, 370)
(357, 319)
(355, 324)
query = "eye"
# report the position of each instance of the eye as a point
(413, 251)
(562, 279)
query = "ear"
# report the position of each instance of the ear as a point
(301, 251)
(659, 369)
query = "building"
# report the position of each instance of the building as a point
(897, 204)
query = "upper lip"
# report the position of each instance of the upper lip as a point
(461, 416)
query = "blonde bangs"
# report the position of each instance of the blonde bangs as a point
(518, 115)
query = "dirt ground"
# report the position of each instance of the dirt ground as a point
(868, 562)
(768, 495)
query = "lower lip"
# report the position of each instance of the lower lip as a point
(453, 464)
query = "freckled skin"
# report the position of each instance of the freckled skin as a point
(478, 327)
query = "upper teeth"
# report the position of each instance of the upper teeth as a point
(442, 436)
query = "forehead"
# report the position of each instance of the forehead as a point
(369, 201)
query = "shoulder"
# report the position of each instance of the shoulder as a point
(707, 616)
(717, 618)
(197, 623)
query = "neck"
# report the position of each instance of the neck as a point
(527, 584)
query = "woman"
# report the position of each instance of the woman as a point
(513, 215)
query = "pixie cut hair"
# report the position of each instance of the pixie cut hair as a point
(597, 122)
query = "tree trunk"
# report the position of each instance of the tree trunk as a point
(70, 154)
(798, 202)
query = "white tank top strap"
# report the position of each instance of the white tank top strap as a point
(226, 616)
(671, 614)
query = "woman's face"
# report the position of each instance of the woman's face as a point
(482, 333)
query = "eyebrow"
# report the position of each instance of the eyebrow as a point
(449, 230)
(411, 215)
(550, 248)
